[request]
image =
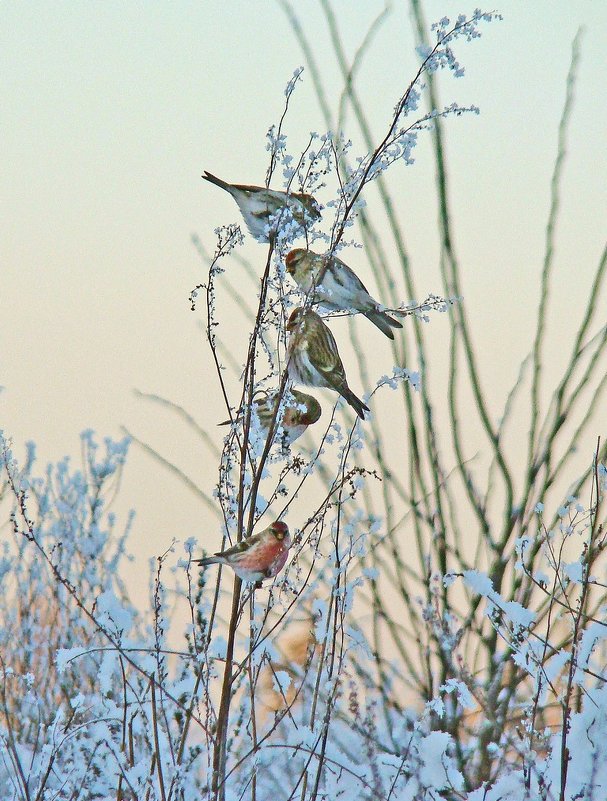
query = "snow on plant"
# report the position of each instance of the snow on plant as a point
(383, 662)
(89, 704)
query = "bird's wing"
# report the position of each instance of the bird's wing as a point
(241, 546)
(326, 359)
(347, 278)
(247, 188)
(344, 289)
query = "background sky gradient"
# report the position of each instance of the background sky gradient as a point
(110, 113)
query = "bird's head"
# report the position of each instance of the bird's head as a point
(311, 412)
(294, 259)
(280, 530)
(297, 315)
(311, 205)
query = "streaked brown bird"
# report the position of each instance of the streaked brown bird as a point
(337, 287)
(299, 413)
(257, 204)
(262, 555)
(313, 357)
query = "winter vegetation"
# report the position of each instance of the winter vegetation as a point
(439, 628)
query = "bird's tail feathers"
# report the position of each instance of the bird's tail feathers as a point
(383, 321)
(208, 176)
(356, 403)
(207, 560)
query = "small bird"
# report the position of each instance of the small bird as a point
(313, 357)
(299, 413)
(257, 204)
(255, 558)
(336, 287)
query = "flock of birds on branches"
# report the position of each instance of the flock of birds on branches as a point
(312, 356)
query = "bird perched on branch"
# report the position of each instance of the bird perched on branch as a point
(258, 204)
(302, 411)
(263, 555)
(299, 413)
(313, 357)
(336, 286)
